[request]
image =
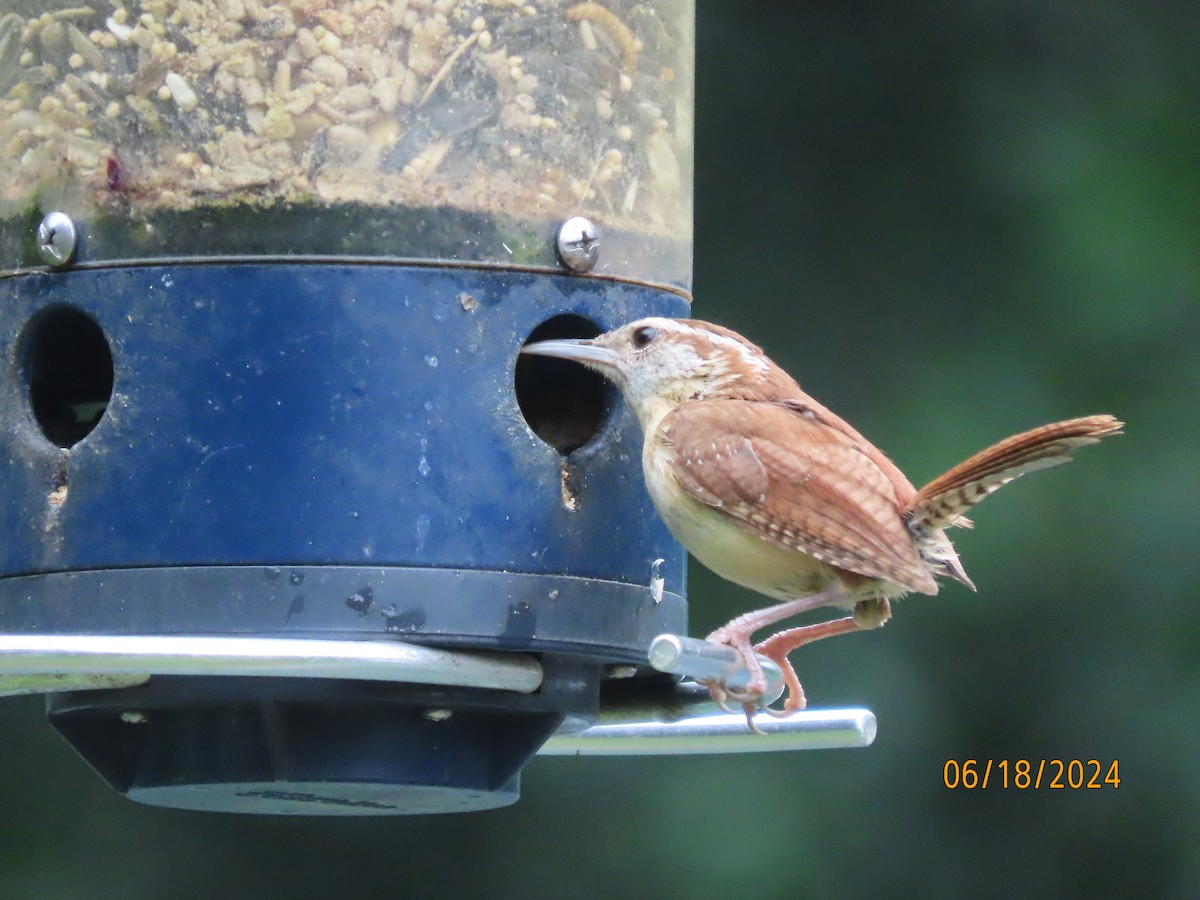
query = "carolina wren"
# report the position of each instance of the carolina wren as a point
(771, 490)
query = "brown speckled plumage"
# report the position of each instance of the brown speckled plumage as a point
(771, 490)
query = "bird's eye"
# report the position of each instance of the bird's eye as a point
(643, 336)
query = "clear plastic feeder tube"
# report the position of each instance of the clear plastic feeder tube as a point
(455, 130)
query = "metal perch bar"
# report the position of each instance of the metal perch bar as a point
(706, 661)
(668, 729)
(825, 729)
(63, 658)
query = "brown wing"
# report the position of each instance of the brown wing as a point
(793, 475)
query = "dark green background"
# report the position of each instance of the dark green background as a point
(951, 221)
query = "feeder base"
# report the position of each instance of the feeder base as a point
(306, 747)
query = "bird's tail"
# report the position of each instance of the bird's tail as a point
(943, 501)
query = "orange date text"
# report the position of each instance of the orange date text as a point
(1031, 774)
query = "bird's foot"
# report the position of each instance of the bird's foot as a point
(794, 699)
(777, 647)
(750, 698)
(736, 634)
(721, 695)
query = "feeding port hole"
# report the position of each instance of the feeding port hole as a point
(67, 368)
(563, 402)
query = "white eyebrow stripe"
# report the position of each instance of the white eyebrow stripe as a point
(754, 360)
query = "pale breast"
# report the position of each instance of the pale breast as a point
(724, 546)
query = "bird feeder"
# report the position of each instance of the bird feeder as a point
(289, 526)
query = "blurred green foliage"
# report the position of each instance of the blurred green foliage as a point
(951, 221)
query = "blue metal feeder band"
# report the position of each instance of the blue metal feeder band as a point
(270, 420)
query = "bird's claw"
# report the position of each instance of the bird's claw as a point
(750, 703)
(794, 698)
(751, 697)
(717, 691)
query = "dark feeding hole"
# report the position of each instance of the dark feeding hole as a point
(68, 368)
(563, 402)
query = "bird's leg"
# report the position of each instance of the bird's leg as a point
(777, 647)
(868, 614)
(737, 634)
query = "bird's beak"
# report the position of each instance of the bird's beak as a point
(587, 352)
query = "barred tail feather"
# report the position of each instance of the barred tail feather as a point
(942, 502)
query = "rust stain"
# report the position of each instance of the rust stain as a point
(570, 487)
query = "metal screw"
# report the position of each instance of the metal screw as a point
(618, 672)
(133, 717)
(578, 244)
(438, 714)
(56, 239)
